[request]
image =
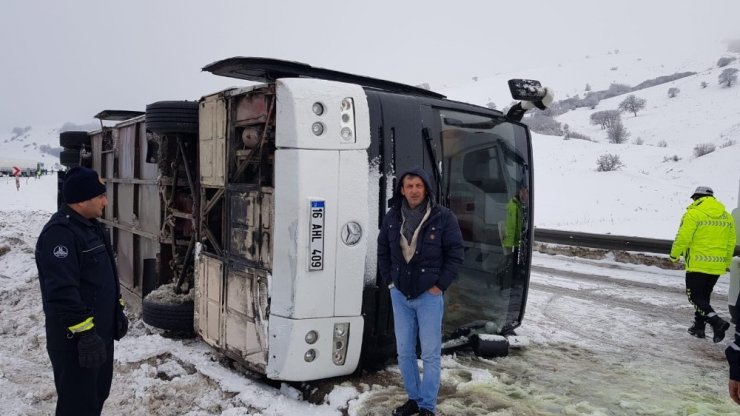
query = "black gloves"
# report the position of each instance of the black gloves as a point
(121, 321)
(121, 325)
(91, 349)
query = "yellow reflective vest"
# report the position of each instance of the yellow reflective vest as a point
(706, 237)
(514, 223)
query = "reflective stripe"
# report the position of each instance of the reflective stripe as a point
(82, 326)
(734, 347)
(121, 302)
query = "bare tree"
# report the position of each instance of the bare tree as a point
(673, 91)
(606, 118)
(632, 104)
(728, 76)
(617, 133)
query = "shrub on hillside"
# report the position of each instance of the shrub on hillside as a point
(638, 141)
(576, 135)
(728, 76)
(703, 84)
(608, 162)
(702, 149)
(725, 60)
(673, 91)
(673, 158)
(617, 133)
(727, 143)
(662, 143)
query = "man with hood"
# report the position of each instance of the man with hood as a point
(419, 251)
(706, 240)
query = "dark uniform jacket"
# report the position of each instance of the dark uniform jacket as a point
(78, 278)
(439, 250)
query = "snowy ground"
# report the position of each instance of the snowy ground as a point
(607, 339)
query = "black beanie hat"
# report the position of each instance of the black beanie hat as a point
(81, 184)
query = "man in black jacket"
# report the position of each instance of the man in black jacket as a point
(419, 251)
(81, 296)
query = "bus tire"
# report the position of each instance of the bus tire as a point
(69, 158)
(172, 117)
(74, 139)
(168, 316)
(490, 347)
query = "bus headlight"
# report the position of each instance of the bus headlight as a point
(318, 108)
(317, 128)
(339, 346)
(311, 337)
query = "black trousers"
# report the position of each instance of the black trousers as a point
(80, 391)
(699, 288)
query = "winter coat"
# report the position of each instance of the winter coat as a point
(439, 250)
(78, 278)
(706, 237)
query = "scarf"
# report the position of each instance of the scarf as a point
(412, 217)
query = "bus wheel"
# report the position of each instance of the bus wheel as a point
(74, 139)
(172, 117)
(168, 316)
(490, 346)
(69, 158)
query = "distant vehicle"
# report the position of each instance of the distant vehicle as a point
(265, 201)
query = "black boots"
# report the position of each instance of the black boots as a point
(697, 329)
(719, 326)
(407, 409)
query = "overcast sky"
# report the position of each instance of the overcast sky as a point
(66, 60)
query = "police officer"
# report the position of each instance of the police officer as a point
(81, 296)
(706, 240)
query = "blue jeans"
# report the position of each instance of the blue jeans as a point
(422, 316)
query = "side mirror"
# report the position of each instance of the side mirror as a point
(526, 89)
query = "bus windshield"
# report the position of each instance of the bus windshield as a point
(486, 182)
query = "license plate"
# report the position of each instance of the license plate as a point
(316, 236)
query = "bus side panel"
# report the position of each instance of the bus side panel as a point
(352, 224)
(298, 290)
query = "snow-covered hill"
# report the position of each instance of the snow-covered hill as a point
(647, 196)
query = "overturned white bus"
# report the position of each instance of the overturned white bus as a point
(250, 216)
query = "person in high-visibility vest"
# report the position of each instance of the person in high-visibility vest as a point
(706, 240)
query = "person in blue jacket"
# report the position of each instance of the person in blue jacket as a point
(81, 296)
(419, 252)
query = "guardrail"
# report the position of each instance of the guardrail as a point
(606, 241)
